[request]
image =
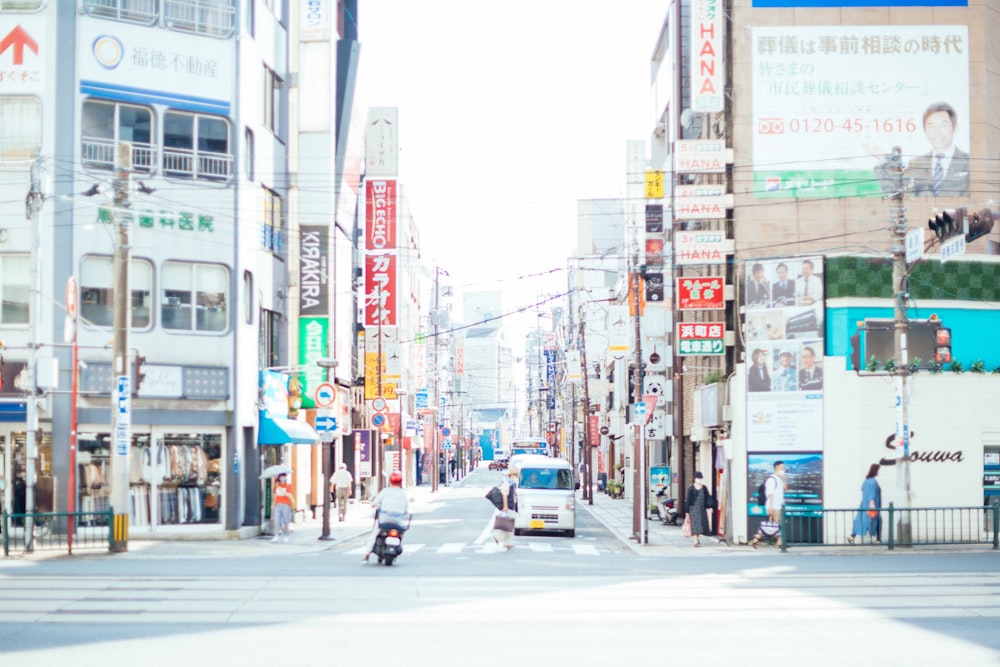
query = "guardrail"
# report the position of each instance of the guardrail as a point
(57, 531)
(890, 526)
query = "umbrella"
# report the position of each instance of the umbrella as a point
(274, 471)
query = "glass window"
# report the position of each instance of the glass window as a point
(273, 222)
(20, 128)
(22, 5)
(105, 124)
(272, 101)
(248, 153)
(248, 300)
(196, 146)
(97, 293)
(15, 289)
(195, 297)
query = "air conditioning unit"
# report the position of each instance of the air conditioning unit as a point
(727, 413)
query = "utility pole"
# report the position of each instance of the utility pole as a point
(435, 468)
(638, 443)
(587, 445)
(900, 325)
(121, 404)
(33, 206)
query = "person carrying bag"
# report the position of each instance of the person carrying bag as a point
(503, 521)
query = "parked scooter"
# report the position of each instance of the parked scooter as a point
(389, 541)
(666, 507)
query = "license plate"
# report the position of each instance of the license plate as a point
(392, 541)
(537, 523)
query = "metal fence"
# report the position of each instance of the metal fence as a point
(891, 526)
(57, 531)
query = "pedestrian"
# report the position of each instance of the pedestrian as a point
(282, 507)
(699, 501)
(508, 491)
(867, 520)
(341, 485)
(774, 490)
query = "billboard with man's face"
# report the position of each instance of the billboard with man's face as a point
(831, 102)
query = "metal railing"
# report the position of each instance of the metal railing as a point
(926, 526)
(50, 531)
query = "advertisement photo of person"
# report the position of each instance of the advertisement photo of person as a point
(783, 290)
(785, 376)
(759, 375)
(810, 375)
(758, 289)
(810, 286)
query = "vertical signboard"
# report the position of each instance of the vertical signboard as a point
(380, 215)
(380, 290)
(707, 58)
(314, 270)
(314, 340)
(382, 142)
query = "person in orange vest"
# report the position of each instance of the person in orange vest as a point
(282, 507)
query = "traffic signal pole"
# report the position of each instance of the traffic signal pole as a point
(901, 295)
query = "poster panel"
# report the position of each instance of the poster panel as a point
(803, 497)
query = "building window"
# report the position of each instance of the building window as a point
(15, 289)
(272, 101)
(273, 223)
(97, 291)
(248, 153)
(270, 338)
(132, 11)
(196, 146)
(20, 128)
(195, 297)
(215, 18)
(248, 300)
(106, 124)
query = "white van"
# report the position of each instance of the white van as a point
(545, 497)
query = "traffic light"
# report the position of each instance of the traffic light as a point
(942, 346)
(140, 372)
(947, 224)
(294, 396)
(981, 224)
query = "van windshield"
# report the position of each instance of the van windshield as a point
(546, 478)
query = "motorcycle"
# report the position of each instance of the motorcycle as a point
(389, 541)
(666, 507)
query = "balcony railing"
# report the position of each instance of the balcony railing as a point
(102, 153)
(133, 11)
(184, 163)
(202, 17)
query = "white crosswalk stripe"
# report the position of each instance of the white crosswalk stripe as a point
(455, 548)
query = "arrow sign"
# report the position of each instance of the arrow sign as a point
(19, 39)
(326, 423)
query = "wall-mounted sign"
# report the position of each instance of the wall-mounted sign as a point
(701, 338)
(700, 156)
(700, 248)
(707, 56)
(700, 293)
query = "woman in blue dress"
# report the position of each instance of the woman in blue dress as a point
(867, 520)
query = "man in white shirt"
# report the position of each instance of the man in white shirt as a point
(391, 507)
(810, 287)
(341, 485)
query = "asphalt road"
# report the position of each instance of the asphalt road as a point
(455, 598)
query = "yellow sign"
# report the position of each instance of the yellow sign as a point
(654, 185)
(372, 377)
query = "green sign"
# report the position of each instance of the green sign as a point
(314, 341)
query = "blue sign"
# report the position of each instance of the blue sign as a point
(326, 423)
(378, 419)
(421, 398)
(446, 431)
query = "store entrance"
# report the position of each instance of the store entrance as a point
(14, 466)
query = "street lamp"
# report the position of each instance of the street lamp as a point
(327, 461)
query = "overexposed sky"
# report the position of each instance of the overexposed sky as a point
(508, 114)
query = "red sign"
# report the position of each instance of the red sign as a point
(380, 290)
(700, 330)
(380, 215)
(701, 293)
(17, 40)
(594, 430)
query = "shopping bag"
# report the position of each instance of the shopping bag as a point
(503, 522)
(686, 529)
(495, 496)
(769, 528)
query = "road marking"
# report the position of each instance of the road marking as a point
(451, 548)
(586, 550)
(540, 548)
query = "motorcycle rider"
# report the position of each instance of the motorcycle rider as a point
(391, 507)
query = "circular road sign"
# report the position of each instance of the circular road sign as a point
(378, 404)
(325, 395)
(378, 419)
(605, 430)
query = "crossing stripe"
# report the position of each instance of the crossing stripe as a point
(586, 550)
(451, 548)
(540, 548)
